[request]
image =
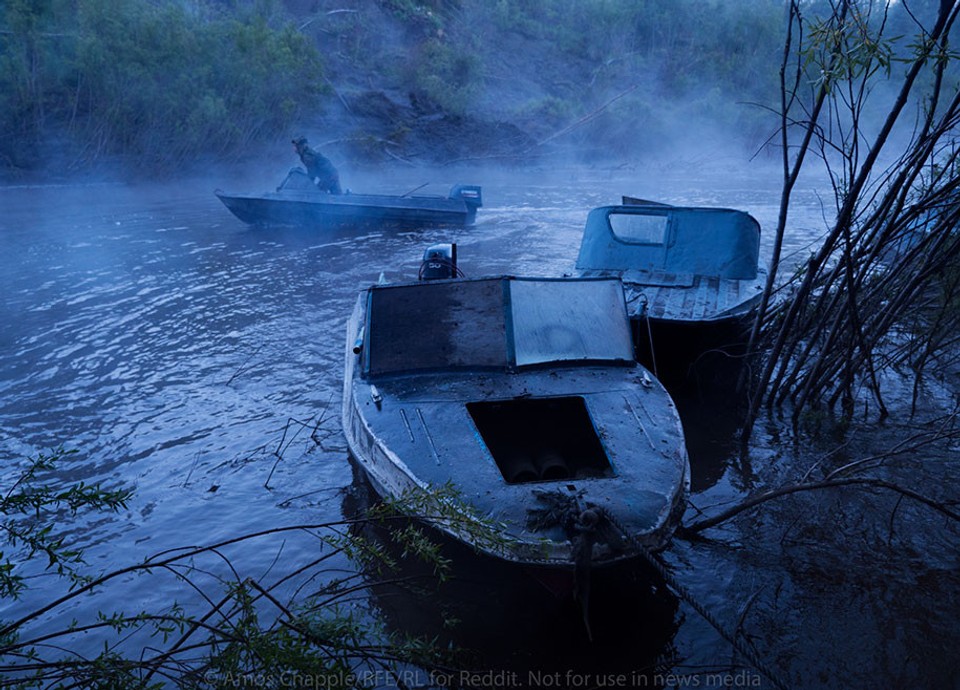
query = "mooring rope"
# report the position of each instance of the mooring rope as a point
(585, 525)
(653, 355)
(645, 315)
(748, 653)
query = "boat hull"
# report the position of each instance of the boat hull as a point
(693, 333)
(298, 202)
(343, 214)
(416, 433)
(704, 352)
(691, 277)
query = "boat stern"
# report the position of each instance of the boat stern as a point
(470, 195)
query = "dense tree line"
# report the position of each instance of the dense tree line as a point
(157, 83)
(544, 64)
(160, 83)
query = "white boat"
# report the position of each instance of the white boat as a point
(523, 396)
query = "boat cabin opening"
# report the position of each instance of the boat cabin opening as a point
(541, 439)
(495, 324)
(719, 242)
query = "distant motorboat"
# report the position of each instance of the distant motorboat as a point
(691, 275)
(524, 396)
(298, 201)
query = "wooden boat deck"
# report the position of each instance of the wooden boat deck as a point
(689, 298)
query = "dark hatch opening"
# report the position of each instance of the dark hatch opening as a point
(544, 439)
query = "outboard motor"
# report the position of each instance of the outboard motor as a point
(470, 193)
(439, 262)
(472, 199)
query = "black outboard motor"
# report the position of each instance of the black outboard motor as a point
(472, 199)
(470, 193)
(439, 262)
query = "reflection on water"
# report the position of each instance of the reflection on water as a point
(506, 620)
(183, 354)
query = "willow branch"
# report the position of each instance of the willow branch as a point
(761, 498)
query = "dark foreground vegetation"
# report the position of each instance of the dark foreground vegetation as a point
(309, 624)
(877, 110)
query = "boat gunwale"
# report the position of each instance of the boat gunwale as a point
(305, 206)
(530, 551)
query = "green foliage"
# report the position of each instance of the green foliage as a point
(29, 511)
(162, 83)
(314, 626)
(29, 54)
(157, 81)
(447, 76)
(157, 84)
(442, 506)
(682, 44)
(846, 49)
(551, 109)
(175, 84)
(691, 59)
(424, 16)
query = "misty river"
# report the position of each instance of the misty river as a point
(189, 357)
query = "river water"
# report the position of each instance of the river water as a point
(198, 362)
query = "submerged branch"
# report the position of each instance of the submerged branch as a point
(753, 502)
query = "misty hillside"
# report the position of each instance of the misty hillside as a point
(448, 80)
(158, 86)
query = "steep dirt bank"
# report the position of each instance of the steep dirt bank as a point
(372, 126)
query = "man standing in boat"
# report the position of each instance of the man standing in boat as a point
(319, 168)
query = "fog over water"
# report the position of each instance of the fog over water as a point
(170, 345)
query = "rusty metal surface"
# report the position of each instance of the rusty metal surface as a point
(414, 429)
(691, 298)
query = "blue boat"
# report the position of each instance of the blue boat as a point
(691, 276)
(298, 201)
(524, 396)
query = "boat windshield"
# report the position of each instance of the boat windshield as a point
(496, 323)
(555, 321)
(632, 227)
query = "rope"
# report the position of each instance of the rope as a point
(584, 527)
(645, 315)
(653, 355)
(746, 652)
